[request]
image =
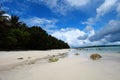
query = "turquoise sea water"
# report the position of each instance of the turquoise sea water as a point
(111, 49)
(107, 53)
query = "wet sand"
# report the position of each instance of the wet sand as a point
(75, 67)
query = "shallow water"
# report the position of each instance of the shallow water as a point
(107, 52)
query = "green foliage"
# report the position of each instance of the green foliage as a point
(14, 21)
(10, 42)
(17, 35)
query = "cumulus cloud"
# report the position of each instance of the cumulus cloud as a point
(69, 35)
(110, 32)
(74, 37)
(108, 35)
(42, 22)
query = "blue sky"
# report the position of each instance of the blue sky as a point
(77, 22)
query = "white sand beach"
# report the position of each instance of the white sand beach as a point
(10, 59)
(37, 66)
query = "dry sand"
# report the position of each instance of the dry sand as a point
(12, 59)
(68, 68)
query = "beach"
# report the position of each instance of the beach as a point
(34, 65)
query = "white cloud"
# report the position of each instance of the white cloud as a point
(7, 15)
(57, 6)
(90, 21)
(78, 3)
(106, 7)
(110, 32)
(42, 22)
(74, 37)
(69, 35)
(62, 6)
(88, 28)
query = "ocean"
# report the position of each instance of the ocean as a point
(114, 51)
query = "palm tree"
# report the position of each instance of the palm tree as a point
(14, 20)
(23, 26)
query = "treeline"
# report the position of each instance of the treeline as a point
(16, 35)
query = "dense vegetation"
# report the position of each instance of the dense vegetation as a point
(16, 35)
